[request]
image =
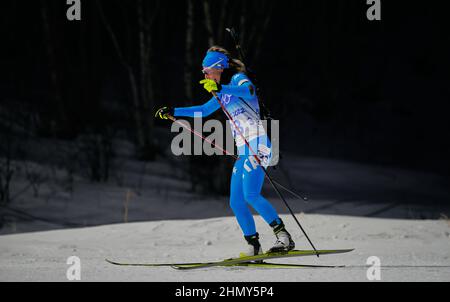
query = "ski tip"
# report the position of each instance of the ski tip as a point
(113, 262)
(339, 250)
(344, 250)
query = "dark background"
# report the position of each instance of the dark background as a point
(343, 87)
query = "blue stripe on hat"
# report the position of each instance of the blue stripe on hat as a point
(215, 59)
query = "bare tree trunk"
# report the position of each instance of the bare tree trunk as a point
(148, 101)
(242, 23)
(188, 52)
(146, 19)
(257, 46)
(208, 23)
(136, 106)
(140, 133)
(6, 171)
(143, 75)
(51, 56)
(221, 26)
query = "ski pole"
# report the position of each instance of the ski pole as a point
(264, 169)
(201, 136)
(295, 194)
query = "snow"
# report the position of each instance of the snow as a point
(42, 256)
(397, 215)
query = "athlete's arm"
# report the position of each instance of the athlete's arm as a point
(245, 90)
(205, 109)
(241, 87)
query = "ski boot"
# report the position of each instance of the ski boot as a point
(254, 247)
(284, 241)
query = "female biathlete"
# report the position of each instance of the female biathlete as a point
(240, 100)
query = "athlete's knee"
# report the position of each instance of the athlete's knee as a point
(252, 196)
(237, 203)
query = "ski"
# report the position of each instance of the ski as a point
(243, 261)
(150, 264)
(281, 265)
(243, 264)
(264, 256)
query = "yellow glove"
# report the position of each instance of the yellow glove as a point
(164, 113)
(211, 85)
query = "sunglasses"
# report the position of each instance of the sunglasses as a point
(207, 70)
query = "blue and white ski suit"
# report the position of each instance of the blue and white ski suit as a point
(240, 100)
